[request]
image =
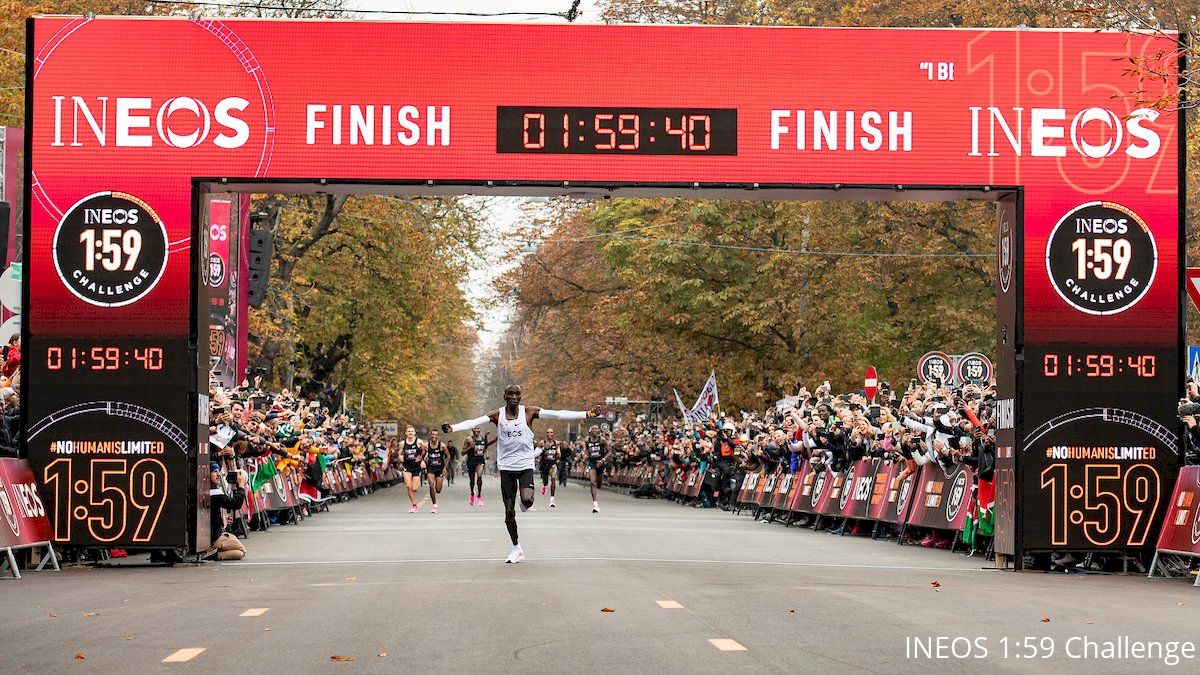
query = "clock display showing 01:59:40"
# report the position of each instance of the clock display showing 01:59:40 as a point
(1099, 365)
(103, 358)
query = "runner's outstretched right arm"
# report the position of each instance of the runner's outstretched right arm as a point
(469, 424)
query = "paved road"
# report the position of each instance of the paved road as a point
(430, 592)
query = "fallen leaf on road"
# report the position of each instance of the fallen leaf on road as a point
(53, 615)
(791, 611)
(80, 656)
(130, 637)
(342, 658)
(91, 614)
(383, 653)
(1091, 622)
(351, 578)
(1045, 619)
(607, 609)
(936, 585)
(266, 630)
(1180, 604)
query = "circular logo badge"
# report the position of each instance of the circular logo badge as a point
(216, 270)
(1004, 255)
(818, 486)
(110, 249)
(935, 367)
(1101, 258)
(902, 496)
(10, 513)
(847, 487)
(958, 491)
(974, 368)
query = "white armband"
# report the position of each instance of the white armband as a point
(470, 424)
(562, 414)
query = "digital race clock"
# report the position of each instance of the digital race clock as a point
(633, 131)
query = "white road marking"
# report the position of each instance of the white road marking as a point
(727, 645)
(422, 561)
(669, 604)
(257, 611)
(184, 655)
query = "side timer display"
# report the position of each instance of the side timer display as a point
(111, 458)
(1097, 462)
(616, 131)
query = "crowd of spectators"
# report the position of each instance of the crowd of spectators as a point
(925, 423)
(10, 397)
(255, 434)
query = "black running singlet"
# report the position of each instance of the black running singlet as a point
(478, 448)
(411, 452)
(435, 457)
(550, 451)
(595, 449)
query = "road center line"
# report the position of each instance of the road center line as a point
(184, 655)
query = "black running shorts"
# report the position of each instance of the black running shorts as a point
(513, 481)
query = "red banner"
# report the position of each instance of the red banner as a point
(24, 514)
(1181, 527)
(942, 498)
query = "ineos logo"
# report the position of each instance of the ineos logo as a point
(180, 122)
(957, 492)
(1046, 127)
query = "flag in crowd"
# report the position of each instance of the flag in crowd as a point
(708, 401)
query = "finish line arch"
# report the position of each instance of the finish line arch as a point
(1087, 187)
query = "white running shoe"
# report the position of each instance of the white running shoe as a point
(479, 501)
(552, 503)
(595, 507)
(516, 555)
(434, 509)
(414, 509)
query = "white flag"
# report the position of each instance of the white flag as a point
(708, 401)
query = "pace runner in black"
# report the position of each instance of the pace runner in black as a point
(515, 453)
(436, 457)
(548, 464)
(595, 448)
(412, 454)
(475, 448)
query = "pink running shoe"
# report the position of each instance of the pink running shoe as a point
(414, 509)
(479, 501)
(471, 499)
(434, 509)
(543, 489)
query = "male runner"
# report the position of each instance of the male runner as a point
(412, 454)
(436, 456)
(595, 448)
(476, 449)
(548, 464)
(514, 453)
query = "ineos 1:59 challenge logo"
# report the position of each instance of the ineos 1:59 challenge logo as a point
(110, 249)
(1101, 258)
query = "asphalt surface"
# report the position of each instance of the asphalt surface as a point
(429, 593)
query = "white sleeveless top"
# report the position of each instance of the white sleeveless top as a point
(514, 447)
